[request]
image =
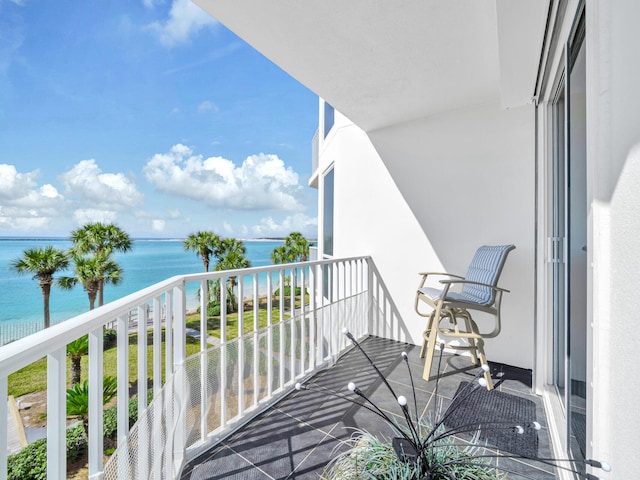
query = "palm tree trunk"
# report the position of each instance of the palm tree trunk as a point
(100, 293)
(92, 300)
(46, 293)
(76, 369)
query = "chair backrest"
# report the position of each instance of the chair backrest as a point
(485, 267)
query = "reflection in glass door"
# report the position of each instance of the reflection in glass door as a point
(569, 231)
(577, 247)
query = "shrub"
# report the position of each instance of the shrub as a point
(110, 422)
(287, 291)
(31, 462)
(109, 338)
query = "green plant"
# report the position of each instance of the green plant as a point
(75, 351)
(78, 397)
(110, 416)
(31, 462)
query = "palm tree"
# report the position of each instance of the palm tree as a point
(100, 239)
(91, 273)
(75, 351)
(43, 264)
(298, 246)
(281, 255)
(231, 255)
(204, 244)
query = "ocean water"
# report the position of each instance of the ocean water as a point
(149, 262)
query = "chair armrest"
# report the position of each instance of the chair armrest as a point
(469, 282)
(440, 273)
(427, 274)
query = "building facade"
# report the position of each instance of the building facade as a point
(447, 125)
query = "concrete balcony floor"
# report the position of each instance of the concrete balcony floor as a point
(299, 435)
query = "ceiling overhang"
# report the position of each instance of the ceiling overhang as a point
(386, 62)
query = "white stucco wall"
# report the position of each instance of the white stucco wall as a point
(425, 194)
(613, 154)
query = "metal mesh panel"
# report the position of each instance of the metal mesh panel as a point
(218, 386)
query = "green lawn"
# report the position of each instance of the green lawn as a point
(33, 378)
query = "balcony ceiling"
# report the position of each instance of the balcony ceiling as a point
(386, 62)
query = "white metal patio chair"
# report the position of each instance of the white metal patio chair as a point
(479, 293)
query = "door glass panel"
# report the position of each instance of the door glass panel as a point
(558, 241)
(577, 255)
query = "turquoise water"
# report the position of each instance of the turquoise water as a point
(150, 261)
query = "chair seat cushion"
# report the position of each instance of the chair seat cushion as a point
(434, 294)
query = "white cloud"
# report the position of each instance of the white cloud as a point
(24, 205)
(299, 222)
(105, 191)
(158, 225)
(87, 215)
(262, 182)
(207, 106)
(185, 19)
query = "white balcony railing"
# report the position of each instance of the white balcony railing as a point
(199, 399)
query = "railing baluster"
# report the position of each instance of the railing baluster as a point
(269, 334)
(56, 414)
(313, 350)
(143, 440)
(256, 340)
(241, 352)
(157, 345)
(123, 391)
(223, 353)
(282, 344)
(4, 391)
(303, 319)
(96, 373)
(180, 378)
(204, 378)
(293, 342)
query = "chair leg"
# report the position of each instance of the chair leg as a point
(473, 346)
(425, 335)
(431, 342)
(483, 361)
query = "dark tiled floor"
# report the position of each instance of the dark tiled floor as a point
(296, 438)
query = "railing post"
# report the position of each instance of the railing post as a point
(96, 401)
(56, 415)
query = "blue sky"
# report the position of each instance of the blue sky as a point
(149, 114)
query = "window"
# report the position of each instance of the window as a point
(327, 209)
(328, 118)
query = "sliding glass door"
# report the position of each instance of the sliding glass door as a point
(569, 240)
